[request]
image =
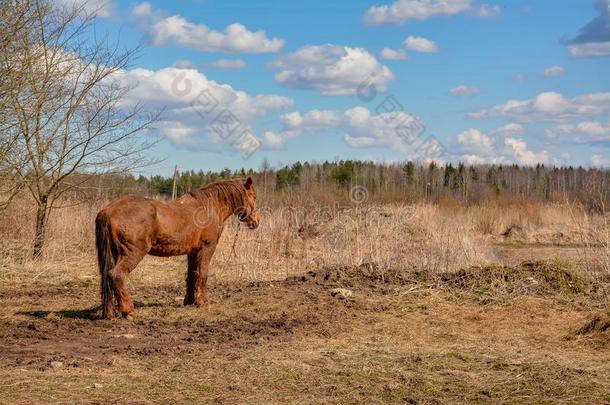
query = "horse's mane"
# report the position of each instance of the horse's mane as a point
(231, 192)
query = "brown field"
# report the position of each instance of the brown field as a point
(449, 304)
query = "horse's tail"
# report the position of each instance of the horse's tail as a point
(106, 261)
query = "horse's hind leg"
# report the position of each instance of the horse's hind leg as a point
(124, 266)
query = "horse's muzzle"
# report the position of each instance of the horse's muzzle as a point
(252, 220)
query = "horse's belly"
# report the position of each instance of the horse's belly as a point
(174, 247)
(166, 251)
(176, 242)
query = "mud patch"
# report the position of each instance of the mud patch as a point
(403, 336)
(240, 316)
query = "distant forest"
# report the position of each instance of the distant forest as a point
(405, 182)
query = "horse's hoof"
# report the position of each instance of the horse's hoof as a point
(128, 317)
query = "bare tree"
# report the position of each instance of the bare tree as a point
(65, 107)
(14, 17)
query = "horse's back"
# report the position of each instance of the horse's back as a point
(161, 228)
(131, 218)
(129, 207)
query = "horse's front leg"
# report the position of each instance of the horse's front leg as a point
(197, 276)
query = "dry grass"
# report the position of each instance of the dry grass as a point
(296, 238)
(435, 316)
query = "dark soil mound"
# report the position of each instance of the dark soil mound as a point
(597, 324)
(539, 277)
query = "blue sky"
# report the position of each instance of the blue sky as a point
(492, 81)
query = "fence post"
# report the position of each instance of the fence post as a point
(174, 183)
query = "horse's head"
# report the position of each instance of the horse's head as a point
(248, 214)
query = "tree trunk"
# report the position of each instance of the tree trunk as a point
(41, 227)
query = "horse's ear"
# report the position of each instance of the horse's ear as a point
(248, 183)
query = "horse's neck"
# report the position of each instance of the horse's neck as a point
(223, 209)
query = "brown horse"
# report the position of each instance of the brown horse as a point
(131, 227)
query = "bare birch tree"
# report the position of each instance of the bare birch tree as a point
(65, 108)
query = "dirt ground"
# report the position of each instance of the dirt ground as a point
(484, 335)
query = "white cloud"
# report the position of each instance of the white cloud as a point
(594, 128)
(366, 130)
(99, 8)
(464, 91)
(550, 103)
(311, 120)
(332, 70)
(549, 106)
(235, 38)
(590, 50)
(192, 103)
(517, 150)
(393, 54)
(472, 160)
(295, 124)
(360, 128)
(476, 142)
(142, 9)
(476, 147)
(178, 133)
(564, 129)
(271, 140)
(600, 161)
(510, 129)
(589, 132)
(401, 11)
(227, 64)
(420, 44)
(554, 71)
